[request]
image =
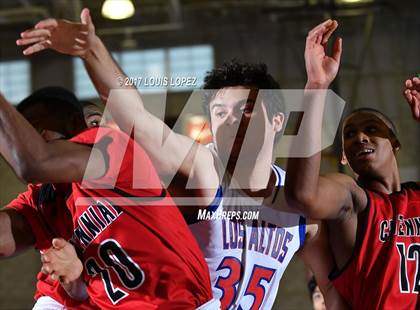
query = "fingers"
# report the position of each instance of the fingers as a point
(33, 36)
(412, 96)
(35, 33)
(408, 96)
(59, 243)
(324, 25)
(47, 268)
(80, 41)
(47, 23)
(86, 19)
(321, 33)
(21, 42)
(37, 47)
(337, 50)
(45, 258)
(333, 26)
(85, 16)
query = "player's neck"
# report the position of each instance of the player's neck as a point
(253, 176)
(388, 183)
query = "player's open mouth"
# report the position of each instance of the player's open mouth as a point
(364, 153)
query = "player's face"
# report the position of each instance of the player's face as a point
(318, 300)
(231, 112)
(48, 129)
(93, 115)
(367, 144)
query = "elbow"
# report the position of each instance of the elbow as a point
(7, 249)
(26, 172)
(7, 244)
(23, 166)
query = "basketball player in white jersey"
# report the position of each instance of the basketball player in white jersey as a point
(246, 258)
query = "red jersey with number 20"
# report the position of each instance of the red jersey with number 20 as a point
(137, 249)
(385, 270)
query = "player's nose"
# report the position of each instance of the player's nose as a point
(361, 137)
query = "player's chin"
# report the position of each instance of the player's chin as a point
(363, 168)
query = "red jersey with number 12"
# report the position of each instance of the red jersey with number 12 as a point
(137, 249)
(384, 272)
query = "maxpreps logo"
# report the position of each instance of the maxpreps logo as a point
(207, 215)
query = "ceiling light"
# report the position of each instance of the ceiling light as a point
(117, 9)
(353, 1)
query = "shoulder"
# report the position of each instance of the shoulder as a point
(341, 178)
(357, 194)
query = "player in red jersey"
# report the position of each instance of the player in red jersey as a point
(372, 221)
(136, 254)
(38, 215)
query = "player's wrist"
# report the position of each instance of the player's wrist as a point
(317, 84)
(93, 48)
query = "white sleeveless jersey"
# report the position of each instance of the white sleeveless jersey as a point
(247, 258)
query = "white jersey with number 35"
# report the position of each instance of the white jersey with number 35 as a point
(247, 257)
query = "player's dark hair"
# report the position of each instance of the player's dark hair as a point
(235, 73)
(312, 286)
(85, 103)
(56, 104)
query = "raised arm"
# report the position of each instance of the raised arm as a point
(318, 197)
(79, 39)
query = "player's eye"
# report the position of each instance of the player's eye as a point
(371, 129)
(247, 109)
(349, 134)
(93, 121)
(220, 114)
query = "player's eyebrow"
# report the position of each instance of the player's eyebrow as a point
(93, 113)
(370, 120)
(239, 102)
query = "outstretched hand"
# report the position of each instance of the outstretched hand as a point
(61, 262)
(321, 68)
(61, 35)
(412, 96)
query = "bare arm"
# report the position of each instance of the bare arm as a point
(319, 197)
(36, 161)
(126, 106)
(317, 256)
(15, 233)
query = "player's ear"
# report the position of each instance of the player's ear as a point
(278, 120)
(344, 160)
(396, 145)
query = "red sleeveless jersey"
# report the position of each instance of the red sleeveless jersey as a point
(384, 272)
(48, 218)
(138, 251)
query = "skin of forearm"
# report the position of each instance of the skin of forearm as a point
(15, 132)
(103, 70)
(302, 187)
